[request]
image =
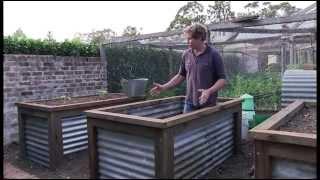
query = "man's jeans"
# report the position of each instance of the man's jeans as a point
(188, 107)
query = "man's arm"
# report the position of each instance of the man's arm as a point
(205, 93)
(217, 86)
(176, 80)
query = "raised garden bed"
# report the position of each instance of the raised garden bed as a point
(153, 139)
(260, 116)
(76, 165)
(285, 144)
(51, 129)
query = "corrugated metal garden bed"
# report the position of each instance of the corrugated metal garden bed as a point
(153, 139)
(285, 144)
(51, 129)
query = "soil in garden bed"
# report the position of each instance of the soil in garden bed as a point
(304, 122)
(73, 100)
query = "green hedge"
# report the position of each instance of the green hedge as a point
(13, 45)
(141, 62)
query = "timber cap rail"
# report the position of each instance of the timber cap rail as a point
(114, 113)
(266, 131)
(51, 108)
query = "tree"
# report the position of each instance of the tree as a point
(96, 37)
(288, 9)
(252, 9)
(76, 40)
(253, 6)
(219, 12)
(268, 10)
(190, 13)
(278, 10)
(131, 31)
(19, 34)
(50, 37)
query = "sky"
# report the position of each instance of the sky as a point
(66, 18)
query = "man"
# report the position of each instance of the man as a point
(203, 69)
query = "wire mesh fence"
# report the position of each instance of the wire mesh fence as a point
(268, 101)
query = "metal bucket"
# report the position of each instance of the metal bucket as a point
(134, 87)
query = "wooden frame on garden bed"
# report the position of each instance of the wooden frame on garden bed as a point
(272, 144)
(47, 132)
(107, 127)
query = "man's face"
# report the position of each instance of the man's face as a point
(192, 42)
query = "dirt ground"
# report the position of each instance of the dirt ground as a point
(75, 166)
(238, 166)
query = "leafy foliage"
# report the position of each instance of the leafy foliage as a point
(19, 34)
(264, 86)
(190, 13)
(219, 12)
(13, 45)
(131, 31)
(97, 37)
(268, 10)
(193, 12)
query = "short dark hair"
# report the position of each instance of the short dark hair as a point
(198, 31)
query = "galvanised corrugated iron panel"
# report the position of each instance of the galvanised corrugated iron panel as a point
(288, 169)
(124, 156)
(36, 140)
(74, 134)
(198, 151)
(158, 111)
(298, 85)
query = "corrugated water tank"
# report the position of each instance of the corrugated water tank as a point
(298, 85)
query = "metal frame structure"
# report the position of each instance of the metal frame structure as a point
(286, 36)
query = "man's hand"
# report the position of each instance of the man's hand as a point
(157, 89)
(205, 93)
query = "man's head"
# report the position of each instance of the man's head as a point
(196, 35)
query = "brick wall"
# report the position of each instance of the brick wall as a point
(35, 77)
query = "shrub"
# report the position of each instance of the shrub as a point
(45, 47)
